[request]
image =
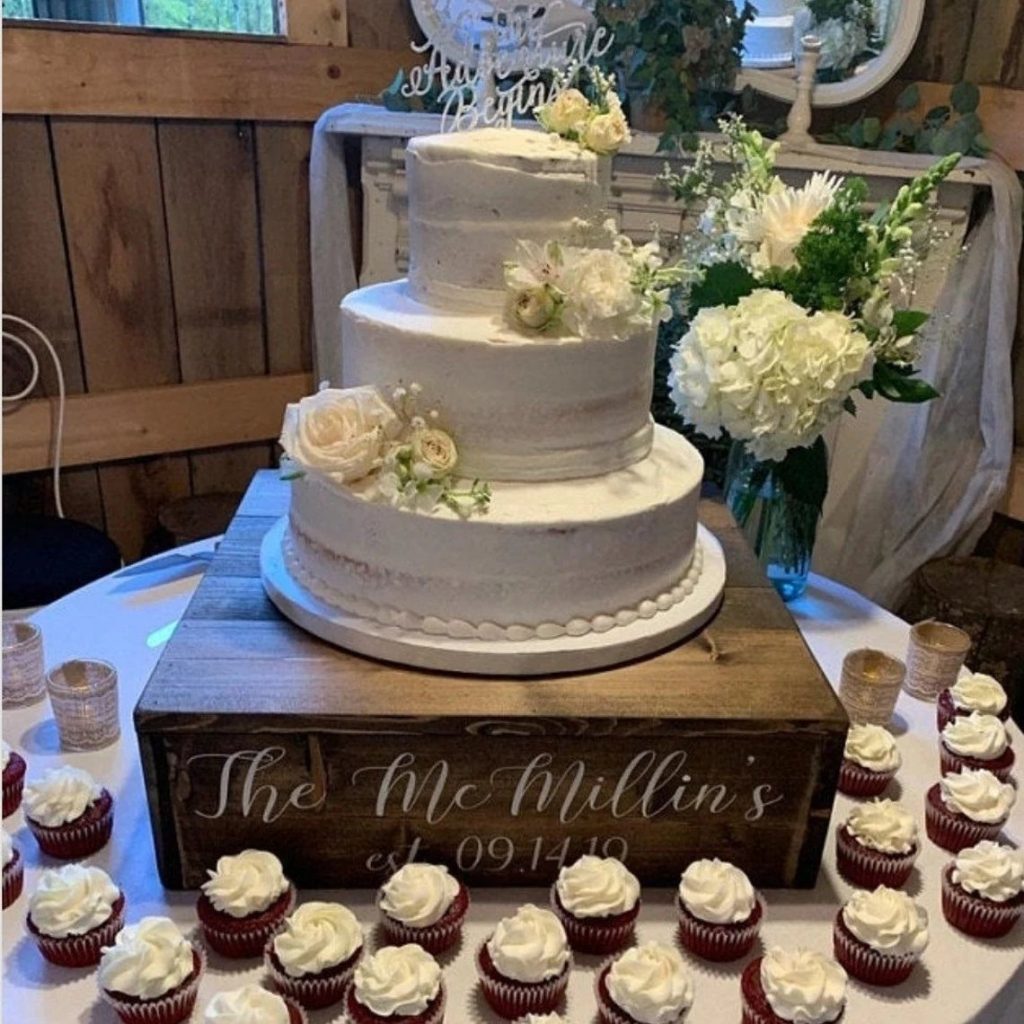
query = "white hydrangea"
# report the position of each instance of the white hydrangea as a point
(767, 371)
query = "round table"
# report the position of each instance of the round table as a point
(126, 619)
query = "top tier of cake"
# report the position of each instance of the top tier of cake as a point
(472, 195)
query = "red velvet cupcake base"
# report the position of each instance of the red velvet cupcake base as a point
(718, 942)
(857, 781)
(510, 999)
(756, 1008)
(311, 991)
(435, 938)
(14, 879)
(866, 868)
(14, 783)
(608, 1011)
(974, 915)
(239, 937)
(946, 711)
(952, 831)
(359, 1014)
(80, 838)
(598, 936)
(1001, 767)
(171, 1008)
(867, 964)
(80, 950)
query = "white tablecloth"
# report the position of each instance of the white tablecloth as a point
(128, 617)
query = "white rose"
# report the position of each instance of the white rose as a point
(436, 450)
(567, 112)
(535, 308)
(606, 133)
(339, 432)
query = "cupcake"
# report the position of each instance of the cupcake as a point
(150, 975)
(252, 1004)
(793, 985)
(524, 965)
(719, 911)
(541, 1018)
(870, 761)
(312, 958)
(244, 903)
(69, 812)
(880, 935)
(14, 869)
(74, 912)
(877, 845)
(983, 890)
(397, 985)
(14, 778)
(976, 741)
(973, 691)
(648, 984)
(422, 903)
(964, 808)
(597, 899)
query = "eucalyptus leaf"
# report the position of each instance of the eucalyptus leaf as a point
(872, 130)
(965, 97)
(909, 98)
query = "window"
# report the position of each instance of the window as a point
(252, 17)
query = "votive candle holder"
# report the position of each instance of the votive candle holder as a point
(870, 685)
(24, 676)
(935, 656)
(83, 695)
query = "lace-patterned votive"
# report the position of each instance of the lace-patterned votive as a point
(24, 678)
(934, 658)
(869, 686)
(83, 695)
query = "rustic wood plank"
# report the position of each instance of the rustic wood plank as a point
(995, 52)
(314, 22)
(109, 176)
(940, 53)
(229, 469)
(384, 24)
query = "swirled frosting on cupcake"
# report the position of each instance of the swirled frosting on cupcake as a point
(245, 883)
(397, 980)
(651, 984)
(147, 959)
(976, 735)
(418, 895)
(316, 937)
(72, 900)
(873, 748)
(530, 945)
(887, 920)
(717, 892)
(6, 847)
(975, 691)
(990, 870)
(541, 1018)
(883, 825)
(597, 887)
(977, 794)
(803, 986)
(249, 1004)
(60, 795)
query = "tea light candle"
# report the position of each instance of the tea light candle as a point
(870, 685)
(83, 695)
(935, 656)
(24, 681)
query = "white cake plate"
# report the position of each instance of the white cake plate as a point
(534, 657)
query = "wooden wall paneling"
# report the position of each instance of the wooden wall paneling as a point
(940, 53)
(282, 155)
(323, 22)
(32, 494)
(995, 53)
(230, 470)
(382, 24)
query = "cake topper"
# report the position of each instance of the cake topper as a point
(490, 57)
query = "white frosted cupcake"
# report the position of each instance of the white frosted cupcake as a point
(14, 869)
(69, 812)
(541, 1018)
(597, 899)
(976, 740)
(877, 845)
(648, 984)
(718, 909)
(793, 987)
(424, 904)
(880, 935)
(524, 965)
(966, 807)
(397, 985)
(973, 691)
(983, 890)
(312, 958)
(252, 1004)
(870, 761)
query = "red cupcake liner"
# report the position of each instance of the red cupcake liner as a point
(80, 950)
(434, 938)
(241, 937)
(867, 964)
(81, 838)
(13, 783)
(511, 999)
(171, 1008)
(311, 991)
(719, 942)
(14, 879)
(952, 831)
(866, 868)
(1001, 767)
(975, 915)
(856, 780)
(597, 936)
(946, 711)
(359, 1014)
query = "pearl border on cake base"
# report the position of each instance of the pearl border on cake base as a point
(534, 657)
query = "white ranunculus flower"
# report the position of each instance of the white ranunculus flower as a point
(567, 113)
(339, 432)
(435, 449)
(599, 290)
(606, 133)
(767, 371)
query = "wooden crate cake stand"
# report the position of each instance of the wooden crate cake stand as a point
(254, 733)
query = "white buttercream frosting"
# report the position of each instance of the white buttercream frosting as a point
(250, 1004)
(6, 846)
(883, 825)
(541, 1018)
(651, 984)
(418, 895)
(530, 945)
(397, 980)
(316, 937)
(60, 795)
(597, 887)
(72, 900)
(147, 959)
(887, 920)
(245, 883)
(990, 870)
(976, 691)
(872, 747)
(976, 735)
(5, 753)
(717, 892)
(977, 794)
(803, 986)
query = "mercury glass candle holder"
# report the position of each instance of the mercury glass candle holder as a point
(83, 695)
(24, 677)
(869, 686)
(934, 658)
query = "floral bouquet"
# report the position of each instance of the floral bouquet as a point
(791, 315)
(595, 122)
